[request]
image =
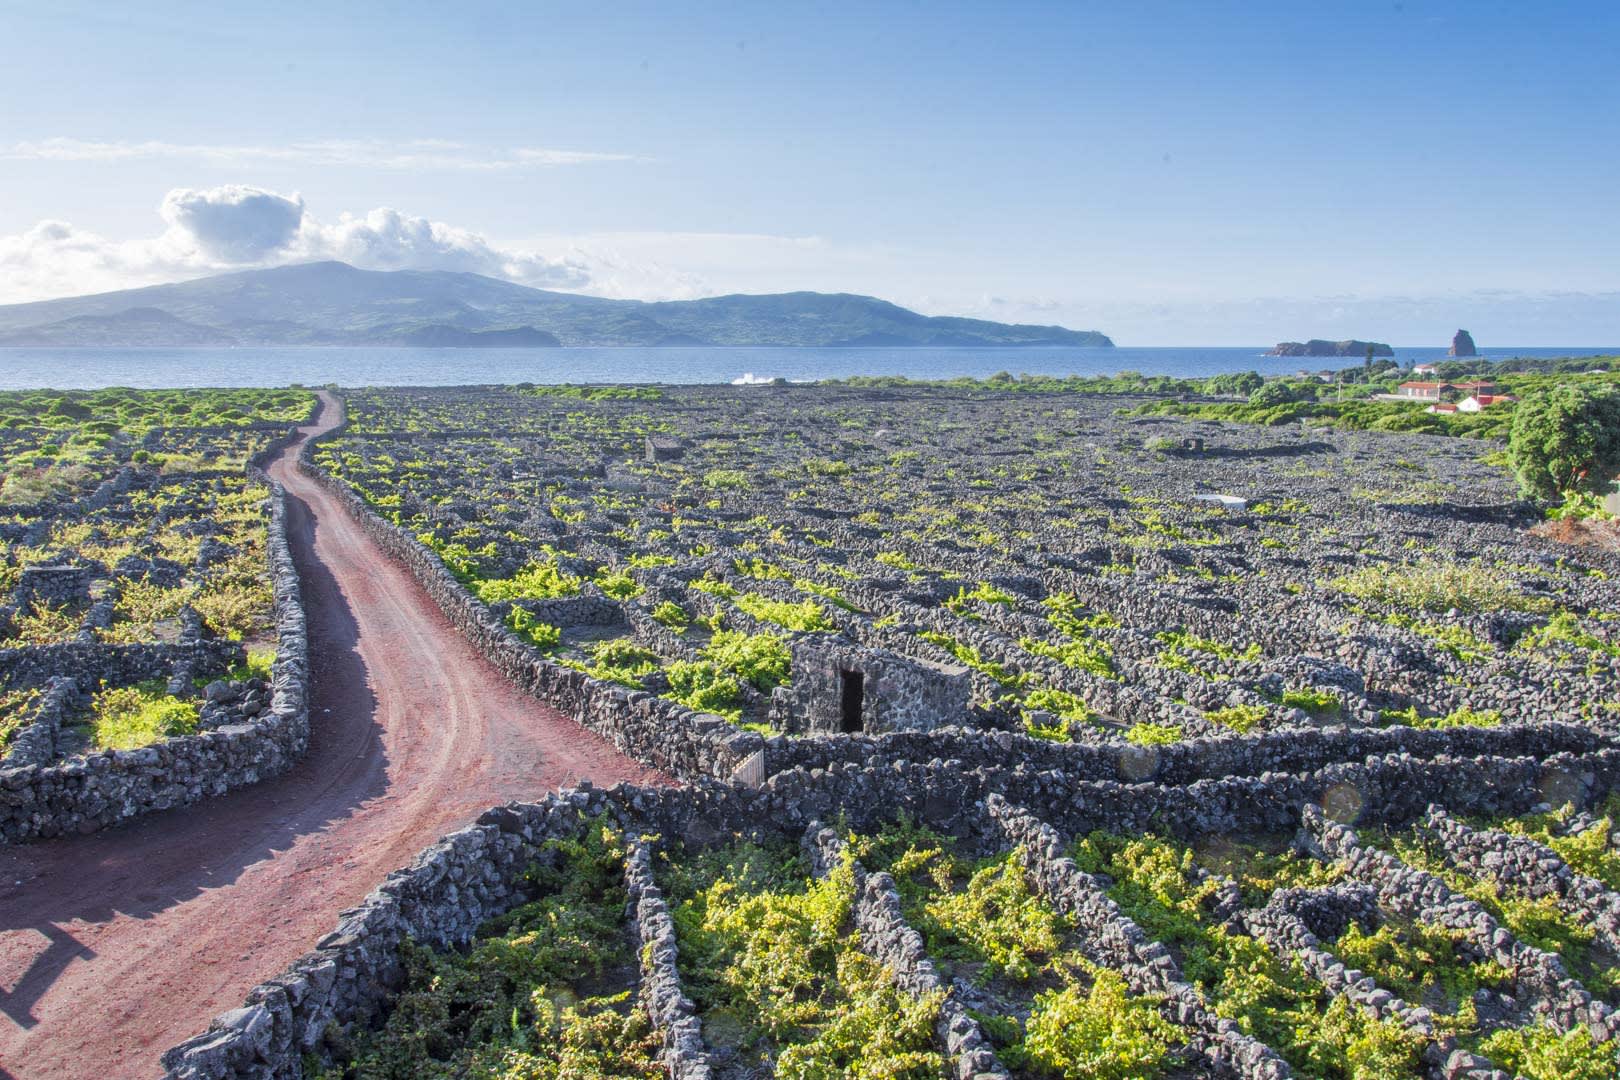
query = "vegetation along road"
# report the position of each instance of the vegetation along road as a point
(115, 946)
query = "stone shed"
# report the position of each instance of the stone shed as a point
(841, 687)
(665, 448)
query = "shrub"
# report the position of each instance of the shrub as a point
(542, 635)
(1099, 1034)
(1240, 718)
(1540, 1053)
(1440, 587)
(984, 593)
(1464, 717)
(1145, 734)
(16, 708)
(508, 1007)
(1319, 703)
(805, 615)
(670, 614)
(620, 586)
(996, 920)
(760, 659)
(761, 945)
(622, 661)
(703, 686)
(1067, 707)
(725, 479)
(1566, 440)
(895, 560)
(537, 581)
(1271, 394)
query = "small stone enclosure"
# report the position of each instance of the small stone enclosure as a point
(843, 688)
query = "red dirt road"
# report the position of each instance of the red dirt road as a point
(115, 946)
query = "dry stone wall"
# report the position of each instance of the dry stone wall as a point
(660, 733)
(478, 872)
(45, 798)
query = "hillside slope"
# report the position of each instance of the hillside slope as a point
(332, 303)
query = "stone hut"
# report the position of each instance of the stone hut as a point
(841, 687)
(665, 448)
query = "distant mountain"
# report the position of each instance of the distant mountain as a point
(1318, 347)
(122, 328)
(332, 303)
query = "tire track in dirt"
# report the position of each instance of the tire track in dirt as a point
(115, 946)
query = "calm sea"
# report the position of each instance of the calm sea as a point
(26, 369)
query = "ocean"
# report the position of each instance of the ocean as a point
(28, 369)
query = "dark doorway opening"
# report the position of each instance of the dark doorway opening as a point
(849, 708)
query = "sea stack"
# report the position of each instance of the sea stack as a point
(1462, 344)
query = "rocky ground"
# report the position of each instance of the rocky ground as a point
(135, 567)
(1286, 752)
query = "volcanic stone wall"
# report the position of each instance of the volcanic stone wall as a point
(476, 873)
(689, 745)
(118, 665)
(685, 744)
(44, 799)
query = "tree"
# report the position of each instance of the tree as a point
(1273, 393)
(1566, 440)
(1244, 382)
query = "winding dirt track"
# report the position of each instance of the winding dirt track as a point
(115, 946)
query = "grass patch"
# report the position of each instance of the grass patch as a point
(1439, 587)
(130, 717)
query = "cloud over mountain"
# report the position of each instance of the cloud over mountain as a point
(238, 226)
(235, 224)
(386, 239)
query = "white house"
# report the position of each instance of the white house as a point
(1479, 402)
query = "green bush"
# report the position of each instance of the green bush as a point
(620, 586)
(542, 635)
(725, 479)
(1145, 734)
(995, 920)
(1099, 1034)
(806, 615)
(1540, 1053)
(670, 614)
(1321, 704)
(1566, 440)
(537, 581)
(760, 659)
(622, 661)
(769, 952)
(1240, 718)
(704, 686)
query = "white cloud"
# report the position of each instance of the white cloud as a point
(358, 153)
(235, 224)
(238, 227)
(55, 258)
(386, 239)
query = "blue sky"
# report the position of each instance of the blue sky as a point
(1167, 173)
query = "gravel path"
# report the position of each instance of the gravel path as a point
(117, 945)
